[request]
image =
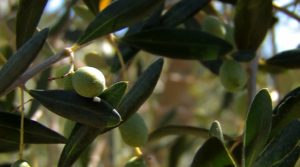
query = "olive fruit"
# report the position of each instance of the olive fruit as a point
(232, 75)
(88, 81)
(20, 163)
(213, 25)
(65, 82)
(134, 131)
(136, 162)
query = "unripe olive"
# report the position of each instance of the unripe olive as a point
(213, 25)
(65, 82)
(20, 163)
(134, 131)
(88, 81)
(232, 75)
(136, 162)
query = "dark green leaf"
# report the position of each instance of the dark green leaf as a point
(252, 21)
(6, 147)
(72, 106)
(213, 154)
(180, 130)
(21, 60)
(179, 43)
(118, 15)
(288, 59)
(258, 127)
(93, 5)
(82, 136)
(34, 132)
(286, 111)
(283, 144)
(29, 14)
(290, 159)
(141, 90)
(182, 11)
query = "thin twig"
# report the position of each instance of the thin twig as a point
(36, 69)
(21, 147)
(287, 12)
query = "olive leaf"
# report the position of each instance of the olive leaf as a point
(281, 146)
(249, 15)
(286, 111)
(21, 60)
(287, 59)
(82, 135)
(182, 11)
(118, 15)
(77, 108)
(34, 132)
(28, 16)
(179, 43)
(258, 127)
(213, 153)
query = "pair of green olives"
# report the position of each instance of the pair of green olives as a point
(86, 81)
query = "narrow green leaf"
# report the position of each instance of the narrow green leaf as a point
(82, 136)
(141, 90)
(118, 15)
(28, 16)
(179, 43)
(180, 130)
(93, 5)
(289, 59)
(258, 127)
(249, 15)
(213, 153)
(21, 60)
(34, 132)
(72, 106)
(6, 147)
(216, 131)
(283, 144)
(290, 159)
(286, 111)
(182, 11)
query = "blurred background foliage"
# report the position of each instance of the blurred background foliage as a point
(186, 94)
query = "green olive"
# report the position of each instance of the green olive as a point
(88, 81)
(66, 82)
(134, 131)
(232, 75)
(213, 25)
(136, 162)
(20, 163)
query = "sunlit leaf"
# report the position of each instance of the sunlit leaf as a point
(258, 127)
